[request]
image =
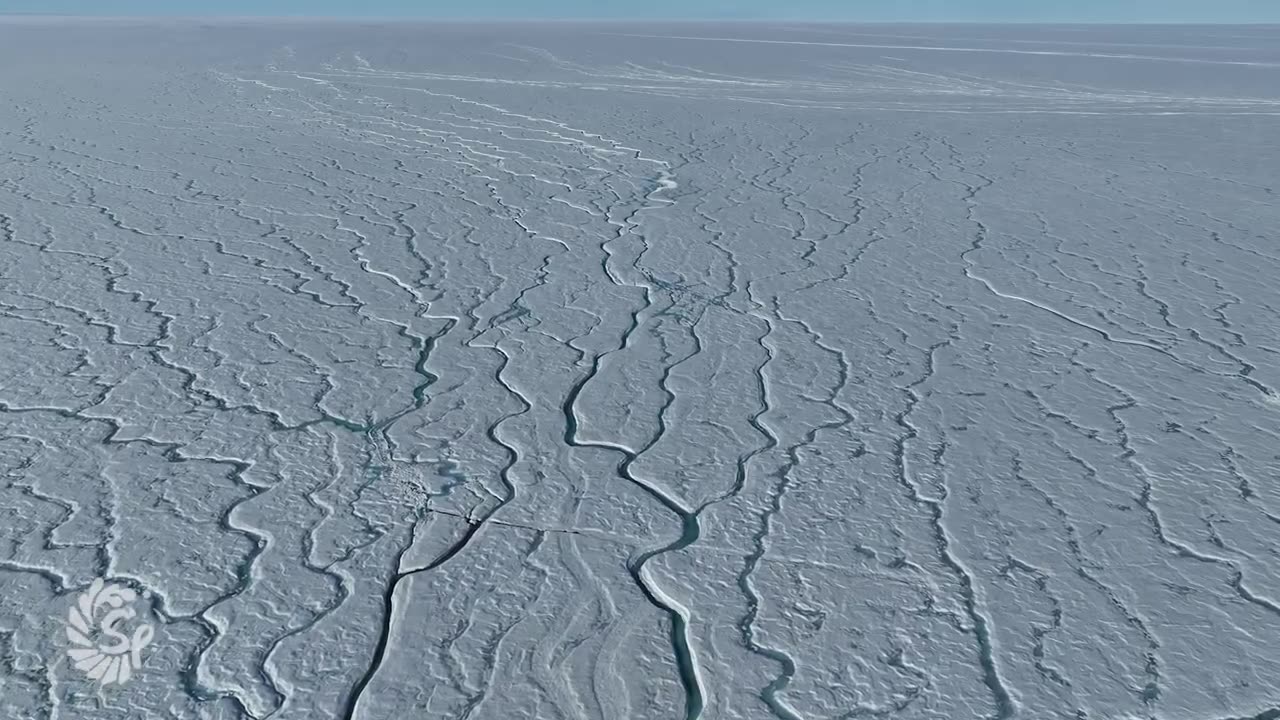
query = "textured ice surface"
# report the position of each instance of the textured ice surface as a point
(613, 372)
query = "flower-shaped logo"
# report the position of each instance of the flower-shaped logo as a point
(101, 649)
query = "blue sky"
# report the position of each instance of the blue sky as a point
(1241, 11)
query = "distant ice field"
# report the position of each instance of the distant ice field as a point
(387, 370)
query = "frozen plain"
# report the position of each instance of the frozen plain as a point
(603, 372)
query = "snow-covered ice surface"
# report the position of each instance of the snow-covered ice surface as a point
(630, 371)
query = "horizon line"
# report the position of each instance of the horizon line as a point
(597, 19)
